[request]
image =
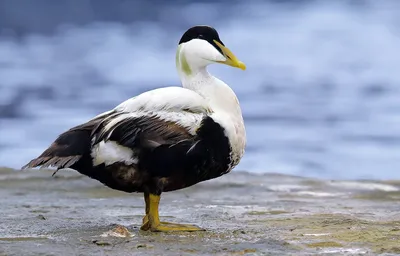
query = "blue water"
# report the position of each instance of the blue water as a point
(320, 96)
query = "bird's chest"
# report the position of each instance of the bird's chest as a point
(234, 128)
(238, 141)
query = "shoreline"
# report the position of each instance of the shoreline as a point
(243, 214)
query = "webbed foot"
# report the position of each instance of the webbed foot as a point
(151, 221)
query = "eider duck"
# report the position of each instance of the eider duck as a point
(164, 139)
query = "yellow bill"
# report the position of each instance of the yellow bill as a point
(231, 59)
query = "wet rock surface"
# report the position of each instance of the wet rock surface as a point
(243, 214)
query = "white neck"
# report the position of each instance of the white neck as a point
(220, 96)
(196, 78)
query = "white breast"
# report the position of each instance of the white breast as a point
(235, 131)
(226, 112)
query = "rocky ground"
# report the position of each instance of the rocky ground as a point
(244, 214)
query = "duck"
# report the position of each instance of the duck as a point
(165, 139)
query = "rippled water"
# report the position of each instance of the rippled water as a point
(320, 96)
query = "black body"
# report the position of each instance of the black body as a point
(167, 159)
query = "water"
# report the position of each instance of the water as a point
(320, 96)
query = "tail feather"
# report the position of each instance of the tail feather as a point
(55, 161)
(68, 149)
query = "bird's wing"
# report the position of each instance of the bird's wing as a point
(163, 117)
(168, 116)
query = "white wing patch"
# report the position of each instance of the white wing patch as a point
(111, 152)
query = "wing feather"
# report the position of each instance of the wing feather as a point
(132, 130)
(130, 134)
(162, 118)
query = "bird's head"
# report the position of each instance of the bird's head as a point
(201, 46)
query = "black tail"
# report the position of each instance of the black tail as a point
(68, 150)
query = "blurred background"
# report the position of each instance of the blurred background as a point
(320, 96)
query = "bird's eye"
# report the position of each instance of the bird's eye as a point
(201, 36)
